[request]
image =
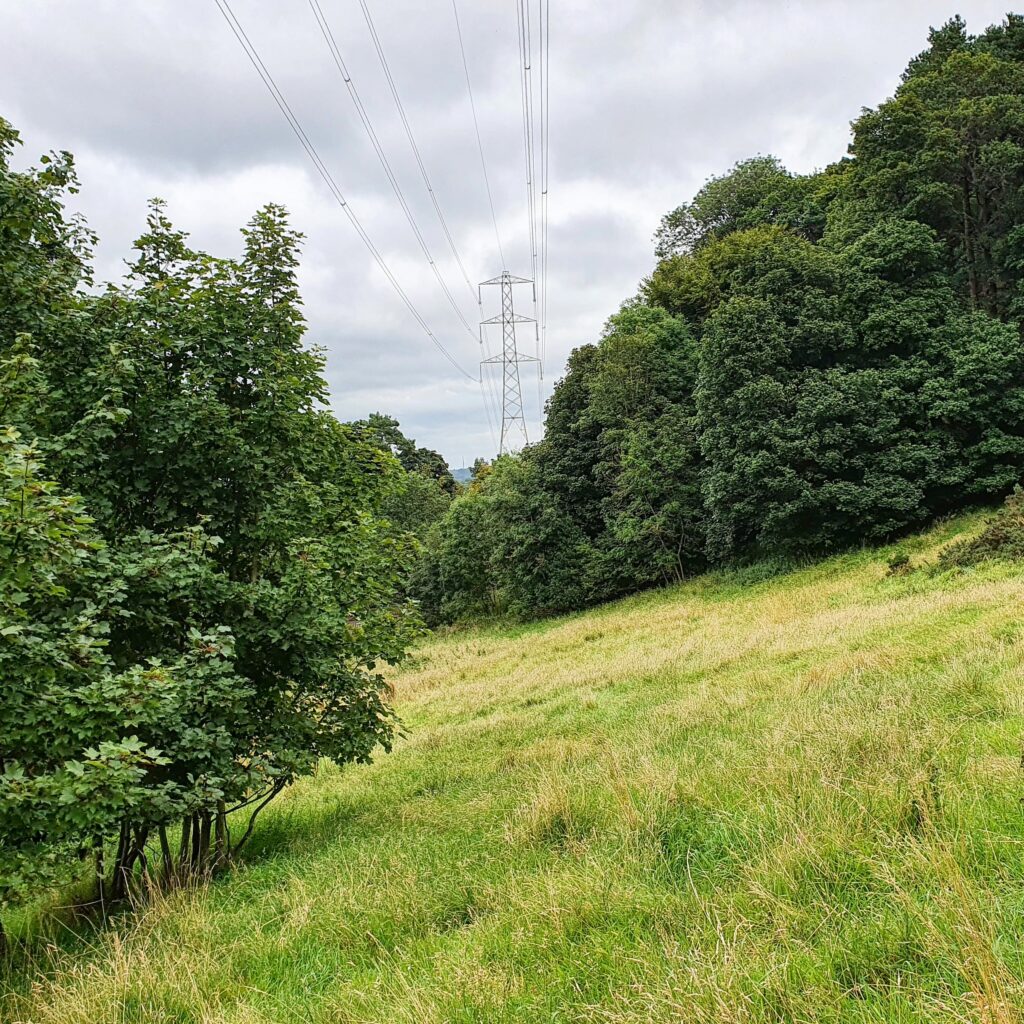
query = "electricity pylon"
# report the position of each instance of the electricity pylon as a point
(513, 420)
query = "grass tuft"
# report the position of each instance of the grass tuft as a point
(787, 793)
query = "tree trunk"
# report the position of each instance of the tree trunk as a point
(118, 883)
(220, 856)
(196, 844)
(207, 834)
(138, 855)
(275, 789)
(168, 859)
(101, 876)
(184, 848)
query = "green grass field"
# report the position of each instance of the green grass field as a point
(793, 799)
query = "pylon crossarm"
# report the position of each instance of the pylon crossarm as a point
(501, 278)
(516, 319)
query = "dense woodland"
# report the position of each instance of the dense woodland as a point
(815, 361)
(202, 572)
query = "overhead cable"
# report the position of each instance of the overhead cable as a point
(367, 123)
(414, 146)
(476, 127)
(293, 122)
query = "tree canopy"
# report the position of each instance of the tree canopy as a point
(199, 581)
(815, 361)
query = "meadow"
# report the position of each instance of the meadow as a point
(756, 796)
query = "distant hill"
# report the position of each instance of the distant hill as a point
(464, 475)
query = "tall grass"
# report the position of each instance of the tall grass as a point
(791, 800)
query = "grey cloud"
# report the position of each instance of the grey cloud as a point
(648, 98)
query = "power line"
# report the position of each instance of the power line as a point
(489, 360)
(526, 83)
(490, 392)
(412, 143)
(235, 25)
(487, 409)
(487, 385)
(476, 126)
(545, 129)
(544, 64)
(529, 151)
(367, 123)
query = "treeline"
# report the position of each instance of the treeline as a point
(199, 581)
(816, 361)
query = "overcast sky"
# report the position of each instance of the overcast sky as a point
(647, 97)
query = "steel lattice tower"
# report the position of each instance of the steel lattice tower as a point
(513, 420)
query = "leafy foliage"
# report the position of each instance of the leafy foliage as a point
(836, 400)
(947, 150)
(815, 362)
(216, 623)
(385, 433)
(602, 506)
(424, 491)
(756, 191)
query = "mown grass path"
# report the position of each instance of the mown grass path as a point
(790, 800)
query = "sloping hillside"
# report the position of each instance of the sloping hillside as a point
(797, 799)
